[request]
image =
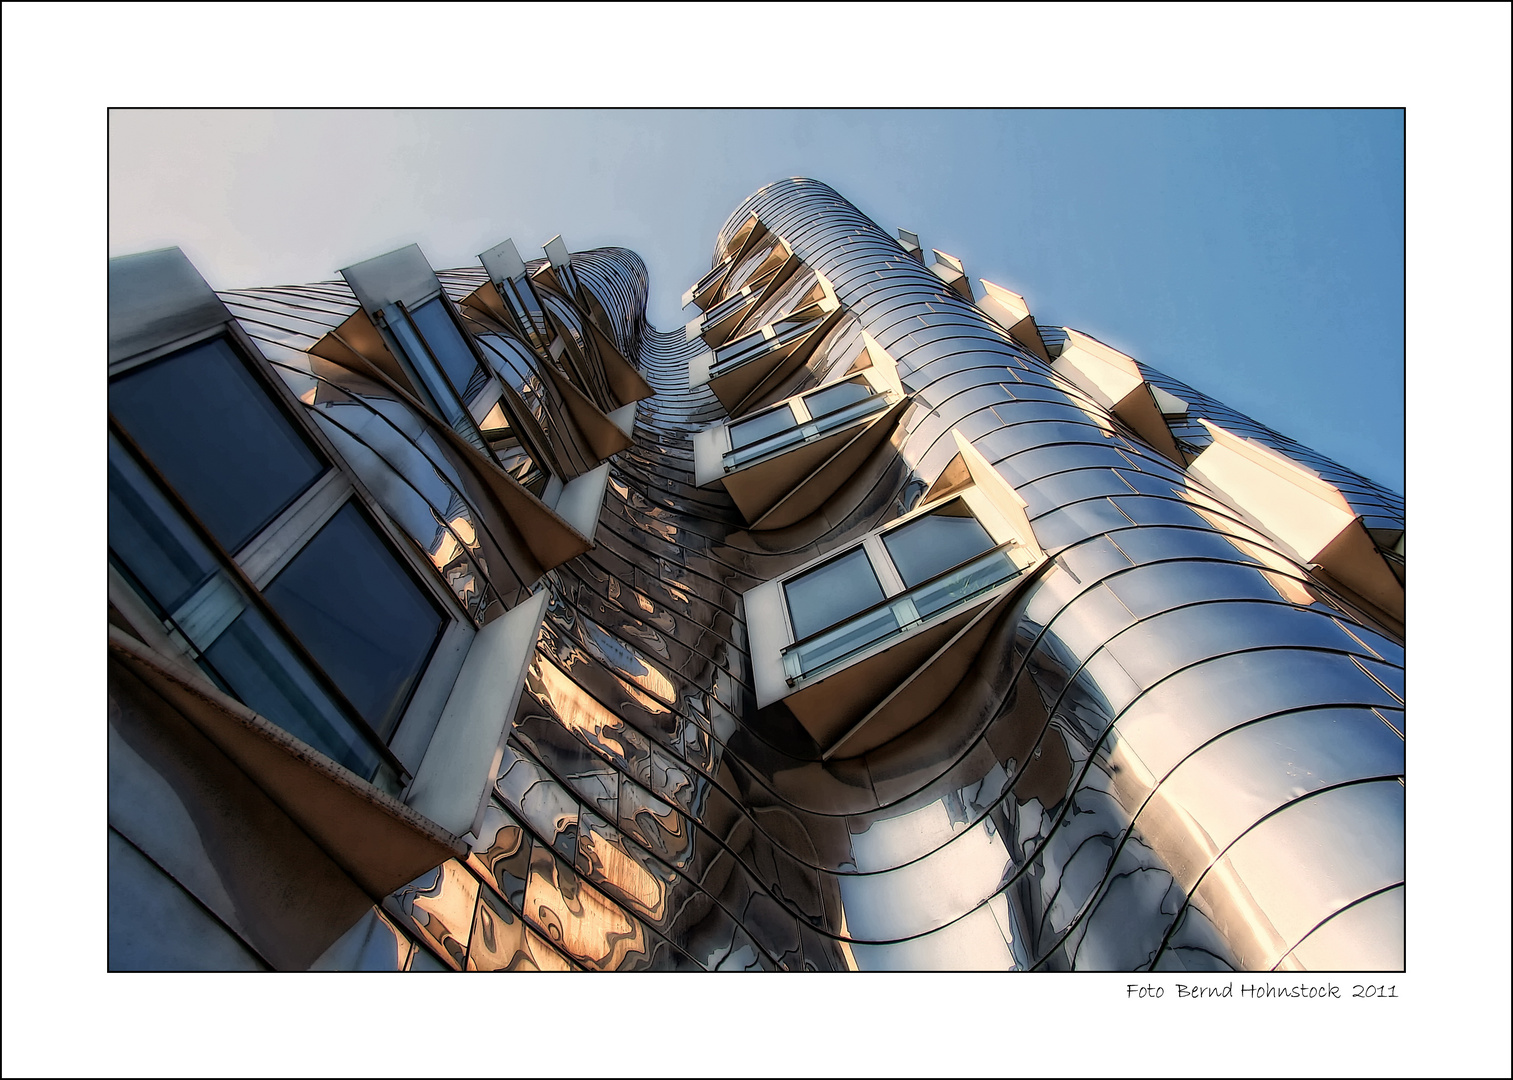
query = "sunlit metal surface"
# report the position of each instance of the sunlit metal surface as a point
(1177, 749)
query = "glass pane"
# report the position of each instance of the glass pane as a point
(218, 437)
(844, 640)
(364, 619)
(743, 348)
(442, 335)
(758, 428)
(937, 541)
(150, 538)
(964, 584)
(258, 666)
(827, 594)
(831, 398)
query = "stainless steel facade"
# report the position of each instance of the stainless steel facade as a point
(1172, 744)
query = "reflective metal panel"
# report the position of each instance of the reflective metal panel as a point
(1168, 753)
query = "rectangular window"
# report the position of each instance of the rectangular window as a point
(449, 348)
(254, 662)
(218, 437)
(837, 396)
(361, 615)
(802, 419)
(936, 541)
(358, 627)
(179, 575)
(154, 543)
(938, 561)
(829, 593)
(749, 432)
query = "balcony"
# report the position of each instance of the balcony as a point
(863, 644)
(706, 290)
(782, 463)
(935, 600)
(1309, 518)
(744, 373)
(730, 316)
(1115, 382)
(1009, 310)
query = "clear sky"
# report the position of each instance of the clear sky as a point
(1256, 254)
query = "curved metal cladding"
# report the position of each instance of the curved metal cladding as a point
(1176, 750)
(1180, 753)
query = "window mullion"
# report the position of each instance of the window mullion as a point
(882, 565)
(255, 599)
(270, 550)
(212, 608)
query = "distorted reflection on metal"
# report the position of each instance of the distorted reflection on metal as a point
(1128, 722)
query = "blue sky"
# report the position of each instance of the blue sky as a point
(1256, 254)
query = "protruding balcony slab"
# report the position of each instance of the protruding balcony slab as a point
(727, 318)
(549, 539)
(706, 291)
(1114, 381)
(600, 433)
(811, 493)
(781, 464)
(1008, 310)
(910, 243)
(451, 786)
(863, 643)
(926, 689)
(375, 838)
(949, 269)
(1306, 514)
(744, 373)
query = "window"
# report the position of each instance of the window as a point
(449, 348)
(803, 418)
(361, 615)
(938, 561)
(868, 640)
(208, 476)
(757, 265)
(770, 337)
(217, 438)
(936, 542)
(783, 462)
(762, 427)
(468, 394)
(436, 350)
(827, 594)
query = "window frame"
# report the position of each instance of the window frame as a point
(882, 392)
(981, 508)
(246, 571)
(738, 352)
(429, 374)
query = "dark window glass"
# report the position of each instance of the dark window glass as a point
(257, 665)
(750, 432)
(827, 594)
(832, 398)
(150, 539)
(218, 437)
(357, 610)
(446, 343)
(935, 542)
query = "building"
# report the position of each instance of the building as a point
(460, 619)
